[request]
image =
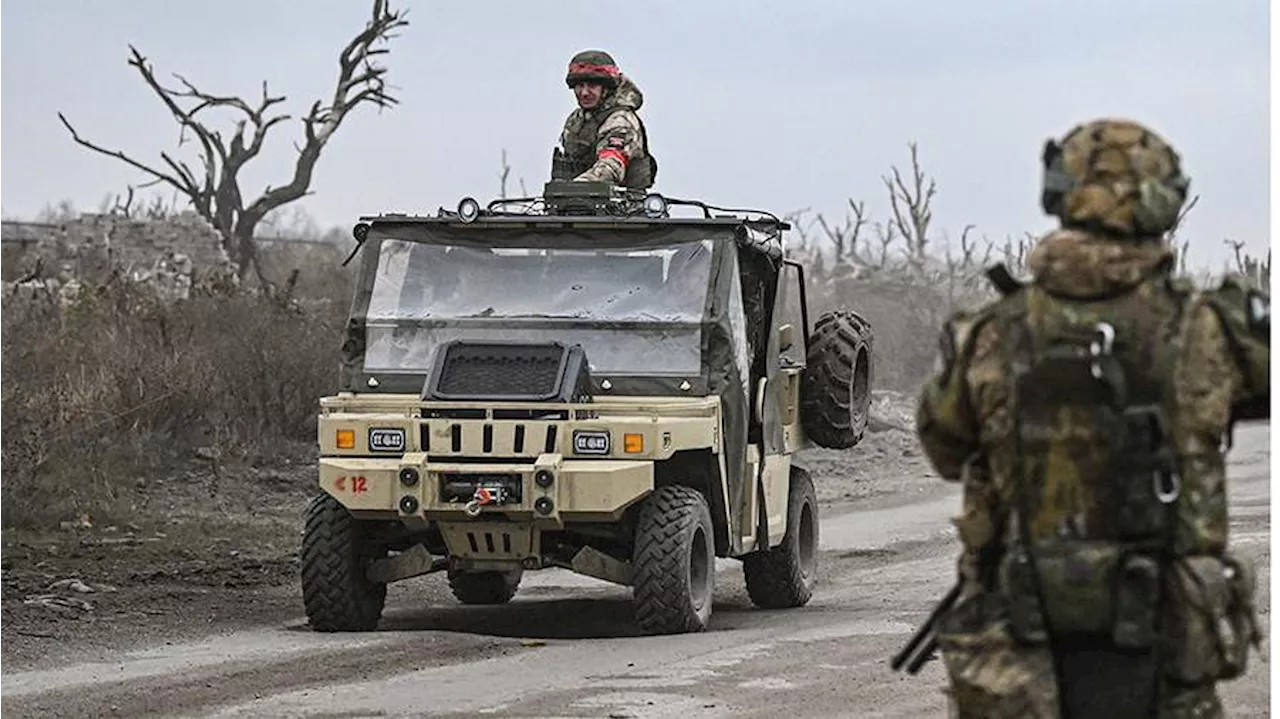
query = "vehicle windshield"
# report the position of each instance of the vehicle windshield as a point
(634, 311)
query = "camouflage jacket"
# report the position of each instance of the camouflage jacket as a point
(607, 143)
(965, 410)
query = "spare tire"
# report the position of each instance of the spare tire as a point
(835, 394)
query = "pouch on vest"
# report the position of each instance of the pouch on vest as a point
(1245, 313)
(1210, 618)
(1146, 478)
(1077, 580)
(561, 166)
(1089, 589)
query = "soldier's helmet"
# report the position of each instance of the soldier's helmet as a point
(1113, 176)
(593, 66)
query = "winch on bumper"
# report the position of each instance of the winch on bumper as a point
(491, 516)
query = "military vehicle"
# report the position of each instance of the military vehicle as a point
(585, 380)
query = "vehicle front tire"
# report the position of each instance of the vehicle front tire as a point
(337, 594)
(674, 562)
(784, 576)
(484, 587)
(835, 391)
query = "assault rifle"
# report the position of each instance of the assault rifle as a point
(927, 633)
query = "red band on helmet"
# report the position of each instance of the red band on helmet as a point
(584, 68)
(615, 154)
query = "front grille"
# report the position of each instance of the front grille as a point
(500, 370)
(488, 440)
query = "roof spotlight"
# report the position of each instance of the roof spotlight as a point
(655, 205)
(468, 209)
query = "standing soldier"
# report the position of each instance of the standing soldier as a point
(603, 139)
(1085, 414)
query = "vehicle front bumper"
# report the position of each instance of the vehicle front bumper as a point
(550, 489)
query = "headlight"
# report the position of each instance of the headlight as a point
(386, 439)
(590, 441)
(655, 206)
(468, 209)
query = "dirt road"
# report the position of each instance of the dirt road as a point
(567, 647)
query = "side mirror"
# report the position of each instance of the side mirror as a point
(786, 337)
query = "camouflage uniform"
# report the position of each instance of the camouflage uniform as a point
(1095, 574)
(607, 143)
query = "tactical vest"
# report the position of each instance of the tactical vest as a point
(1095, 481)
(1090, 564)
(580, 154)
(1097, 475)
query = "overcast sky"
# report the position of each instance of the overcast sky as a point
(766, 104)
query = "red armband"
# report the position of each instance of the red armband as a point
(615, 154)
(615, 148)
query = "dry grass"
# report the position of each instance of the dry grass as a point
(117, 385)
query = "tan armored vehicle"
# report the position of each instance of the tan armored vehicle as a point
(580, 380)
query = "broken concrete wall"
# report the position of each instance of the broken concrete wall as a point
(93, 245)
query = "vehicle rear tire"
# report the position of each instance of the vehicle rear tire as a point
(784, 576)
(484, 587)
(836, 388)
(337, 594)
(674, 562)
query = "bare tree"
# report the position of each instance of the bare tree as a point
(911, 205)
(215, 191)
(502, 176)
(123, 208)
(846, 236)
(796, 218)
(505, 174)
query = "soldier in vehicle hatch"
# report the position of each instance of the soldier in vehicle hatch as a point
(603, 140)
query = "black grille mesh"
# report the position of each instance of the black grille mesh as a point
(500, 370)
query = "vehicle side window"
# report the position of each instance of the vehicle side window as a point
(791, 314)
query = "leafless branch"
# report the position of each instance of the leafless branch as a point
(360, 80)
(885, 232)
(846, 236)
(838, 236)
(859, 210)
(123, 209)
(502, 176)
(1237, 248)
(119, 155)
(214, 191)
(911, 204)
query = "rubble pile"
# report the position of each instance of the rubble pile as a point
(172, 256)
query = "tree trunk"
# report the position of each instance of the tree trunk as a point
(246, 255)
